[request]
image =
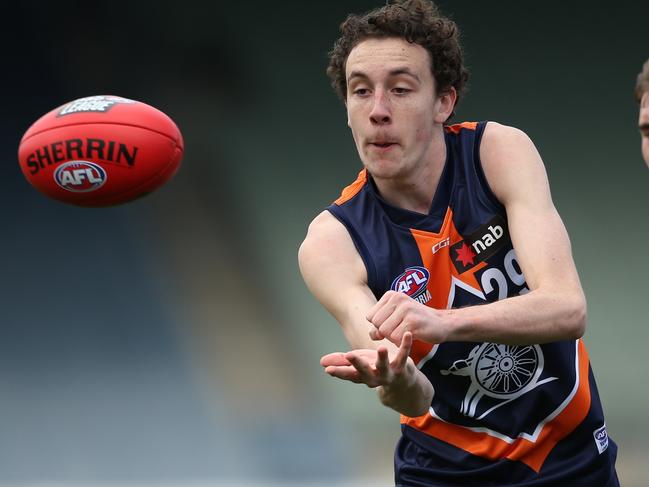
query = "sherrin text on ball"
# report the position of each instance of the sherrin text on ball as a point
(100, 151)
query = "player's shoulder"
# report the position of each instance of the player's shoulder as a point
(498, 134)
(324, 235)
(509, 159)
(328, 254)
(505, 146)
(324, 226)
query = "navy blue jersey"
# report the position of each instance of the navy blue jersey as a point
(501, 414)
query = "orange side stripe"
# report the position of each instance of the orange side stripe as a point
(564, 423)
(533, 454)
(352, 190)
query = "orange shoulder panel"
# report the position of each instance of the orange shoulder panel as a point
(459, 126)
(352, 190)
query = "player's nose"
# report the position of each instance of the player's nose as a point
(380, 113)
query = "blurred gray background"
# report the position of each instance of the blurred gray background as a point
(171, 341)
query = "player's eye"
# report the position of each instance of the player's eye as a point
(400, 90)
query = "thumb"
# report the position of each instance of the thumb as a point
(375, 334)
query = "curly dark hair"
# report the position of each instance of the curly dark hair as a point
(417, 21)
(642, 83)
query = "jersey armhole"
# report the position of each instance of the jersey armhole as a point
(362, 250)
(480, 171)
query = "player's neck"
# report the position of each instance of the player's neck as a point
(416, 189)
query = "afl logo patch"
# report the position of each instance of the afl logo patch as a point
(80, 176)
(412, 282)
(601, 439)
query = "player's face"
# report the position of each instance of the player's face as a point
(392, 105)
(644, 126)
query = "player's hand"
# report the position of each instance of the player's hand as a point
(373, 368)
(396, 313)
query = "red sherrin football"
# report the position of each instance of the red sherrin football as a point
(100, 151)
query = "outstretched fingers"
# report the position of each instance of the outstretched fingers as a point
(335, 359)
(336, 365)
(382, 363)
(401, 358)
(366, 370)
(370, 367)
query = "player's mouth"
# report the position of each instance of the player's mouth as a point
(382, 145)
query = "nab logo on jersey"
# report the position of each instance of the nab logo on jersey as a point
(413, 282)
(80, 176)
(480, 245)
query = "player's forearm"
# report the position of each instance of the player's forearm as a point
(536, 317)
(358, 337)
(357, 333)
(410, 399)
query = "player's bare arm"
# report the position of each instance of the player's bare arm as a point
(336, 276)
(554, 309)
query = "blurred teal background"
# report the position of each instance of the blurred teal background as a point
(171, 341)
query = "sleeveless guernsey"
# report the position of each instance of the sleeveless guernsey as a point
(501, 414)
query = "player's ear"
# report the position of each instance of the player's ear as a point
(445, 104)
(349, 123)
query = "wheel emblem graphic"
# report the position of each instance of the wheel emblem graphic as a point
(502, 372)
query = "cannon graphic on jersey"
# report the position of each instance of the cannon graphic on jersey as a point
(499, 371)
